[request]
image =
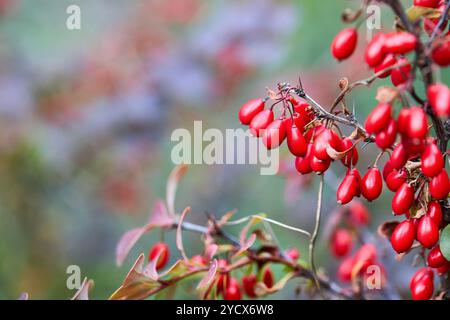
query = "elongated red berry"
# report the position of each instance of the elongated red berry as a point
(248, 284)
(441, 53)
(435, 212)
(400, 42)
(374, 53)
(366, 256)
(432, 160)
(341, 243)
(327, 138)
(388, 61)
(418, 123)
(399, 156)
(250, 109)
(435, 258)
(427, 232)
(429, 25)
(344, 44)
(396, 179)
(401, 74)
(403, 121)
(403, 236)
(387, 169)
(268, 277)
(349, 188)
(260, 122)
(439, 98)
(302, 164)
(233, 292)
(296, 142)
(378, 119)
(319, 166)
(386, 138)
(160, 249)
(352, 156)
(439, 185)
(372, 184)
(420, 275)
(274, 135)
(403, 199)
(423, 290)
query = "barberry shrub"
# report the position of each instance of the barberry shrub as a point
(409, 128)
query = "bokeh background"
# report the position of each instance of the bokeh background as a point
(86, 118)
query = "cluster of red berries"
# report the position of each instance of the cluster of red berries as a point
(387, 50)
(342, 242)
(286, 126)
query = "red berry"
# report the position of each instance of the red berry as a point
(435, 258)
(403, 121)
(439, 98)
(400, 42)
(414, 147)
(302, 163)
(274, 135)
(296, 142)
(248, 284)
(396, 179)
(359, 215)
(427, 232)
(351, 158)
(345, 269)
(441, 53)
(293, 253)
(250, 109)
(304, 110)
(399, 156)
(160, 249)
(372, 184)
(418, 123)
(260, 122)
(403, 236)
(314, 132)
(386, 138)
(426, 3)
(432, 160)
(375, 50)
(268, 278)
(341, 243)
(379, 118)
(326, 138)
(388, 61)
(319, 166)
(401, 75)
(439, 185)
(423, 290)
(430, 24)
(420, 275)
(435, 212)
(403, 199)
(233, 292)
(349, 187)
(344, 44)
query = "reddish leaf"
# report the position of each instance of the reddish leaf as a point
(127, 241)
(210, 251)
(179, 238)
(209, 276)
(172, 184)
(83, 291)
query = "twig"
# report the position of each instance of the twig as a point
(312, 241)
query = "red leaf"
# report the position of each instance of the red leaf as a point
(209, 276)
(127, 241)
(172, 184)
(179, 238)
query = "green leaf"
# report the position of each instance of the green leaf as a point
(445, 242)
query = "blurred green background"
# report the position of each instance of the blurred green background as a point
(86, 117)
